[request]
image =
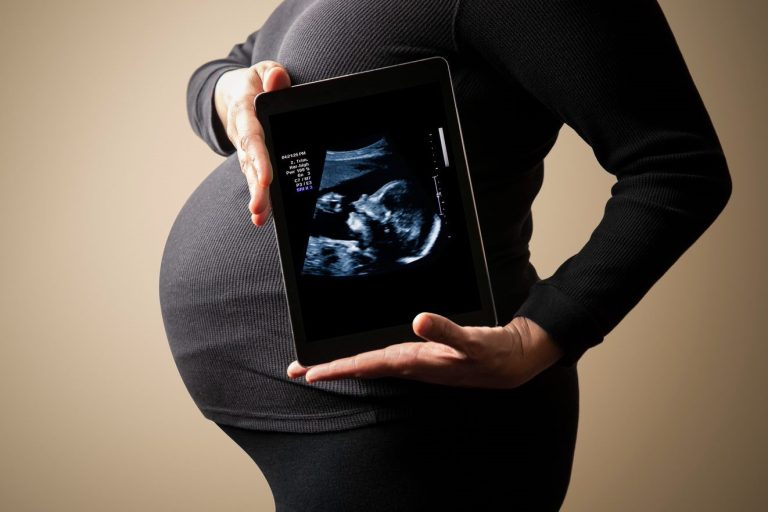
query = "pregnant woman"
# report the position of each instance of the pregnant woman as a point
(463, 417)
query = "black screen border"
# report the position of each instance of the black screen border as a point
(353, 86)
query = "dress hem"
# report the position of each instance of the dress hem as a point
(303, 424)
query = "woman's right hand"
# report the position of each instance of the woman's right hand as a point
(234, 95)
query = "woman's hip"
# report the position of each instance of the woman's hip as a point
(460, 450)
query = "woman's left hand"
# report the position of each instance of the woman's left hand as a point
(484, 357)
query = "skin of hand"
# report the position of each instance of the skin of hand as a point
(482, 357)
(234, 94)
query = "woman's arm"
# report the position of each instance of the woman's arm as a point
(200, 95)
(614, 73)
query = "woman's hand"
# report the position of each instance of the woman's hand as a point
(233, 98)
(484, 357)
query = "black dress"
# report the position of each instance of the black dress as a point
(611, 70)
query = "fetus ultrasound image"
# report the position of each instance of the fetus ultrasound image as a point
(371, 215)
(375, 222)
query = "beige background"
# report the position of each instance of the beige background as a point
(98, 157)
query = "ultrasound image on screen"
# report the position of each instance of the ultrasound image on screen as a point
(376, 225)
(371, 215)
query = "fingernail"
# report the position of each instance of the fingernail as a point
(426, 322)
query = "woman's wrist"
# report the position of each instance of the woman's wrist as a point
(540, 349)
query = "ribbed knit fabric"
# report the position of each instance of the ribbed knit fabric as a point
(611, 70)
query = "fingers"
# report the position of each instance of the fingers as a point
(431, 362)
(375, 363)
(434, 327)
(273, 75)
(296, 370)
(442, 358)
(247, 135)
(262, 216)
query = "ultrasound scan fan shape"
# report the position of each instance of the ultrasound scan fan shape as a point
(380, 231)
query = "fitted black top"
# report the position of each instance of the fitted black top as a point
(610, 70)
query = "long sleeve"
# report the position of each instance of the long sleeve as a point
(614, 73)
(200, 104)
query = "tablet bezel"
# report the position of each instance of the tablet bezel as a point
(348, 87)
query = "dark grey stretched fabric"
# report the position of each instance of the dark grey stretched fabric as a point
(611, 70)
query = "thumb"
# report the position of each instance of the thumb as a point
(275, 78)
(437, 328)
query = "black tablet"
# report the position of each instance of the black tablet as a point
(373, 208)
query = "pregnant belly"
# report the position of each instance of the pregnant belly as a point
(226, 318)
(221, 289)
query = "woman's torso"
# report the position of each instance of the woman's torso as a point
(221, 288)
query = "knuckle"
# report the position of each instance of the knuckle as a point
(264, 66)
(356, 367)
(267, 64)
(261, 68)
(244, 140)
(252, 78)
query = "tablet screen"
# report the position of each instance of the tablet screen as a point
(376, 223)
